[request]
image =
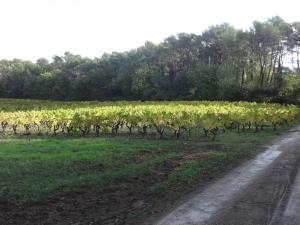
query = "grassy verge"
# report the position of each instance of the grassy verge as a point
(154, 173)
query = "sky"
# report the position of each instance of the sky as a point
(30, 29)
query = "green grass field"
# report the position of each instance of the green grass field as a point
(37, 168)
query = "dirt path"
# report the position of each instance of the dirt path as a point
(288, 209)
(259, 192)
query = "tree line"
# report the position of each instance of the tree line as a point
(221, 63)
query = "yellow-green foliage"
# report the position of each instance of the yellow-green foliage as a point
(175, 116)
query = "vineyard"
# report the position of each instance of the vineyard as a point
(176, 118)
(122, 161)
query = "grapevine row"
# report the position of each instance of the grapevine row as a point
(178, 117)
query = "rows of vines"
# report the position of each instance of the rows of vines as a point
(27, 117)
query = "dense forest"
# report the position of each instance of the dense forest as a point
(222, 63)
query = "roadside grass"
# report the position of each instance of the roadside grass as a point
(40, 167)
(229, 150)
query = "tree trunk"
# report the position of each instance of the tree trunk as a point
(243, 77)
(262, 72)
(298, 63)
